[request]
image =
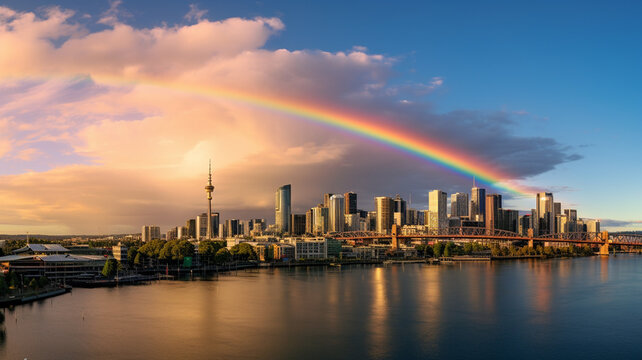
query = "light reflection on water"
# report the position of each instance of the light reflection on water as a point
(552, 308)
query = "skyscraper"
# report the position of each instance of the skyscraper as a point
(384, 206)
(493, 211)
(150, 232)
(437, 209)
(545, 214)
(320, 215)
(459, 205)
(337, 213)
(351, 202)
(400, 211)
(477, 204)
(326, 199)
(298, 224)
(282, 207)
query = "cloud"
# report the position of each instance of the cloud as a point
(620, 223)
(102, 132)
(195, 13)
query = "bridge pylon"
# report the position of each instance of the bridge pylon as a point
(604, 249)
(531, 243)
(395, 240)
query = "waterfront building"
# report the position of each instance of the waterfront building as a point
(311, 249)
(437, 209)
(282, 208)
(351, 202)
(282, 251)
(459, 205)
(150, 232)
(477, 204)
(384, 206)
(53, 266)
(493, 212)
(545, 223)
(298, 224)
(337, 213)
(400, 211)
(119, 252)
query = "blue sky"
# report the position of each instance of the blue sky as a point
(568, 71)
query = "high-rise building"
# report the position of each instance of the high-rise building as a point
(571, 220)
(282, 208)
(384, 206)
(477, 204)
(150, 232)
(459, 205)
(351, 202)
(493, 211)
(320, 214)
(201, 226)
(337, 213)
(400, 211)
(524, 224)
(371, 219)
(298, 224)
(309, 222)
(191, 228)
(437, 209)
(326, 199)
(411, 216)
(545, 214)
(352, 222)
(232, 227)
(509, 220)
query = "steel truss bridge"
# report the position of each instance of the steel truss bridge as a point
(491, 235)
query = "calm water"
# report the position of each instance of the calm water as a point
(588, 308)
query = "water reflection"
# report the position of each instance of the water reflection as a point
(414, 311)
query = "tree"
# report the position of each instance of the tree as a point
(109, 270)
(132, 252)
(448, 249)
(138, 259)
(222, 256)
(243, 251)
(437, 249)
(43, 281)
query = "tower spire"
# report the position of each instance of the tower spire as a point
(209, 189)
(474, 181)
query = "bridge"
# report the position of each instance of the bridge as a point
(459, 234)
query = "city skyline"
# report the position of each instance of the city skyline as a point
(94, 144)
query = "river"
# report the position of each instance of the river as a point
(589, 308)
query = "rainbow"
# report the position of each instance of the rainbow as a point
(358, 124)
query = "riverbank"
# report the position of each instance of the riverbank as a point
(34, 295)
